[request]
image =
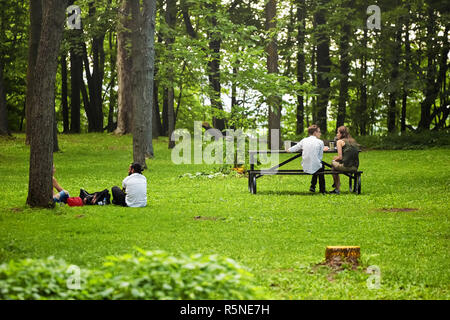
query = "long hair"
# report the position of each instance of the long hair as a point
(343, 130)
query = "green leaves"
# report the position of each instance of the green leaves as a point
(141, 275)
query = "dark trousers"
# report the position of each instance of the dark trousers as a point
(99, 196)
(321, 180)
(118, 196)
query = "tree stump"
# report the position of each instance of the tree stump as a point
(349, 253)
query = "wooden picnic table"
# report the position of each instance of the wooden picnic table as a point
(253, 174)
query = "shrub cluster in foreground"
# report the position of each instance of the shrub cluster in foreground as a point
(141, 275)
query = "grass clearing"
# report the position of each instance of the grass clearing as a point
(280, 234)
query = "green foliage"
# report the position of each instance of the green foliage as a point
(141, 275)
(407, 140)
(34, 279)
(157, 275)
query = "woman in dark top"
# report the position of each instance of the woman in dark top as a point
(347, 159)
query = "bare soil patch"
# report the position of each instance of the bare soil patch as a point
(337, 264)
(397, 209)
(208, 218)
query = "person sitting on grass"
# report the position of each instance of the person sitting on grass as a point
(347, 159)
(312, 154)
(61, 195)
(134, 192)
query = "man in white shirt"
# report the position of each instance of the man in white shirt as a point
(134, 189)
(312, 154)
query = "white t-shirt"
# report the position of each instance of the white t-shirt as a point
(135, 186)
(312, 153)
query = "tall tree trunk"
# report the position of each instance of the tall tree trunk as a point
(76, 78)
(434, 78)
(214, 70)
(94, 110)
(345, 60)
(4, 130)
(273, 102)
(156, 126)
(234, 104)
(362, 108)
(392, 107)
(323, 66)
(405, 81)
(33, 43)
(143, 54)
(55, 131)
(165, 112)
(124, 70)
(64, 104)
(440, 82)
(76, 74)
(301, 64)
(314, 83)
(171, 14)
(112, 83)
(43, 76)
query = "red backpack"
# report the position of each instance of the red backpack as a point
(75, 202)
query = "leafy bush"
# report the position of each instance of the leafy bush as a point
(142, 275)
(412, 141)
(35, 279)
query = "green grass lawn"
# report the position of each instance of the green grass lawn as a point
(280, 234)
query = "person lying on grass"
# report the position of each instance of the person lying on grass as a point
(347, 159)
(61, 195)
(134, 189)
(312, 154)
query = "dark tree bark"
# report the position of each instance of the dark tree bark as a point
(33, 43)
(143, 54)
(392, 107)
(165, 112)
(112, 93)
(64, 104)
(171, 15)
(273, 102)
(434, 78)
(76, 74)
(124, 71)
(55, 131)
(180, 95)
(362, 108)
(301, 63)
(234, 103)
(345, 60)
(214, 70)
(42, 99)
(94, 109)
(314, 83)
(323, 66)
(156, 126)
(405, 82)
(76, 78)
(4, 130)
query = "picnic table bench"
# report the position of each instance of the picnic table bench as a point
(354, 178)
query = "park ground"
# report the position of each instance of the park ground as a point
(400, 221)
